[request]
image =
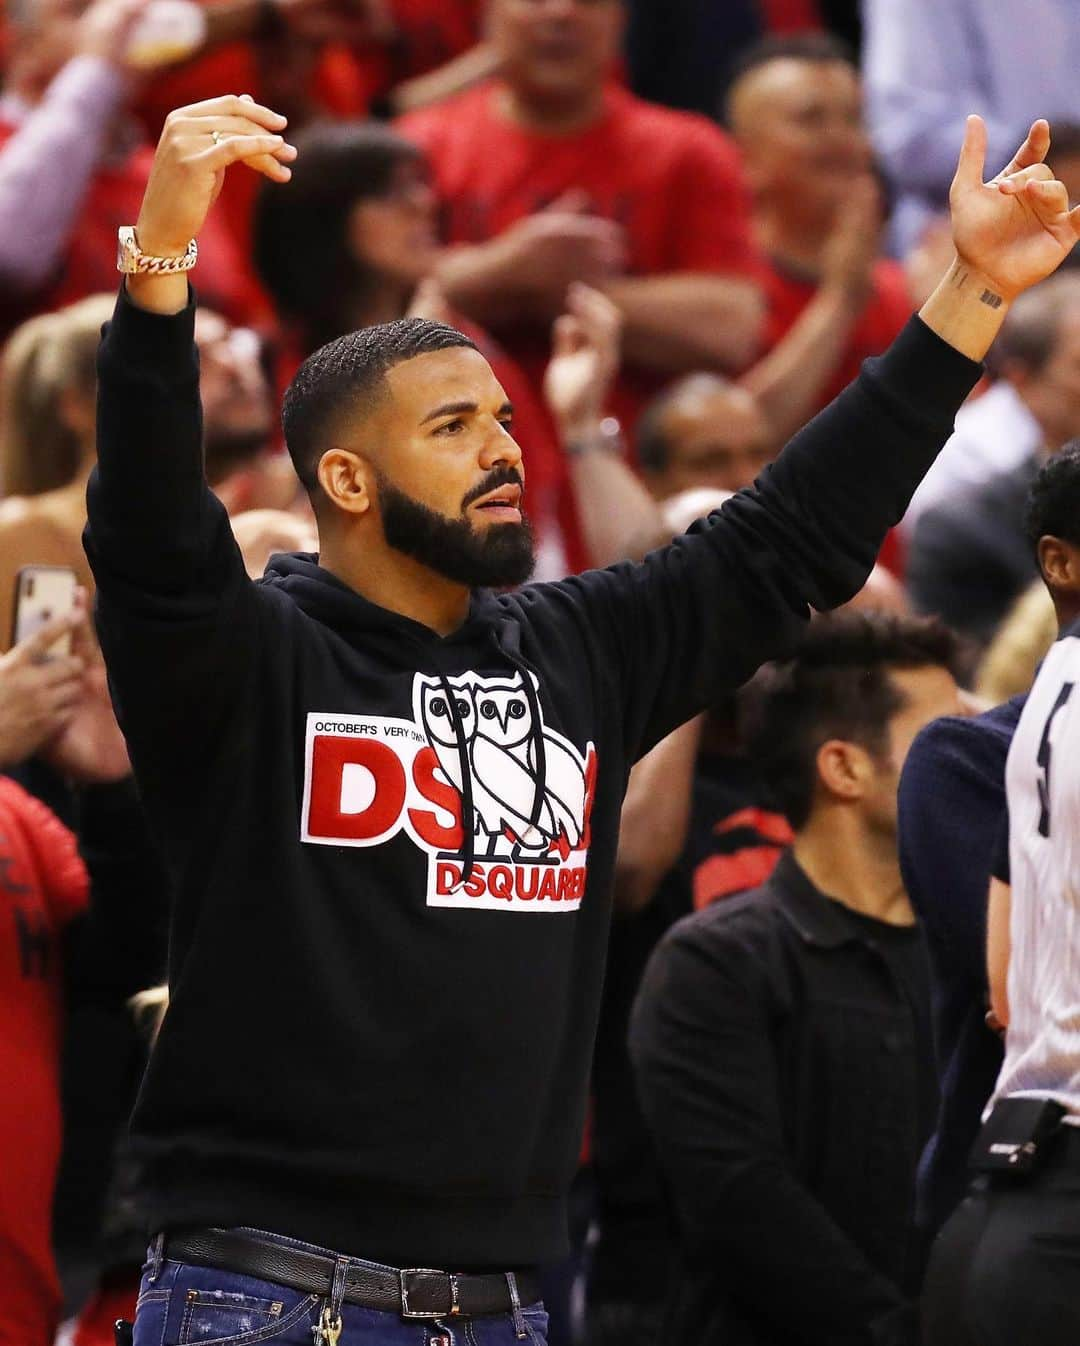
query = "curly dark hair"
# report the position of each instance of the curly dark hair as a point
(1053, 502)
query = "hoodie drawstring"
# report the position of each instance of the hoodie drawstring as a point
(537, 729)
(468, 808)
(468, 822)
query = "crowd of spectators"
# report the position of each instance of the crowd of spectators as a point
(752, 195)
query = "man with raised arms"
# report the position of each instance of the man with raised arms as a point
(388, 790)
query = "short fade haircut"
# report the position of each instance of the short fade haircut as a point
(817, 48)
(836, 686)
(1053, 502)
(347, 377)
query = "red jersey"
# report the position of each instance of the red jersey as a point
(887, 310)
(43, 884)
(672, 180)
(342, 81)
(428, 34)
(88, 266)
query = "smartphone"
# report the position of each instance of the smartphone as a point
(43, 593)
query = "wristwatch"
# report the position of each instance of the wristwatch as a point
(132, 261)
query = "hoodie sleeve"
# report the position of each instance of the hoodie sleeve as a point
(175, 609)
(698, 617)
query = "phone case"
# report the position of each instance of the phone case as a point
(42, 593)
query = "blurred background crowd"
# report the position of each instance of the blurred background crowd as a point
(760, 187)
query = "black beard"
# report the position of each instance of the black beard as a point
(502, 556)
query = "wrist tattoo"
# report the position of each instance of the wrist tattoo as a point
(990, 299)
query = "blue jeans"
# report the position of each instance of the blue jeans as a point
(181, 1304)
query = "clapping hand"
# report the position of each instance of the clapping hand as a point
(1017, 228)
(853, 243)
(584, 360)
(546, 252)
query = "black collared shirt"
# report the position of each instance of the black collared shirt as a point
(782, 1066)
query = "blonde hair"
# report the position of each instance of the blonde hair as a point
(1022, 641)
(44, 358)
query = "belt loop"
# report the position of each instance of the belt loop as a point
(329, 1328)
(337, 1290)
(156, 1255)
(520, 1330)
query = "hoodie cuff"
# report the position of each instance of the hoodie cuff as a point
(154, 341)
(926, 373)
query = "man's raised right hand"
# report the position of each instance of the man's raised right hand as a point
(197, 145)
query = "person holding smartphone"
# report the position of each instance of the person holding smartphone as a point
(56, 949)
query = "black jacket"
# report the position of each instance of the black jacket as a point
(382, 1018)
(778, 1067)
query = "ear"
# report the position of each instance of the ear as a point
(1059, 563)
(347, 480)
(844, 770)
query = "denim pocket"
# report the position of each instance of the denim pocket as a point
(227, 1318)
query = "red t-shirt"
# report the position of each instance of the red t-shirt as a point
(43, 884)
(223, 275)
(671, 179)
(428, 34)
(343, 81)
(887, 310)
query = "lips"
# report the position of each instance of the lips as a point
(504, 503)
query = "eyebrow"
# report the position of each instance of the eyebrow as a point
(461, 408)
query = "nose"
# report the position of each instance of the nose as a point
(500, 448)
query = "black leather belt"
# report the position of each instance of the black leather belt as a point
(413, 1292)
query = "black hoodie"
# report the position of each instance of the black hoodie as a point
(381, 1022)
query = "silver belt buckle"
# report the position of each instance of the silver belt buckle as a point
(408, 1312)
